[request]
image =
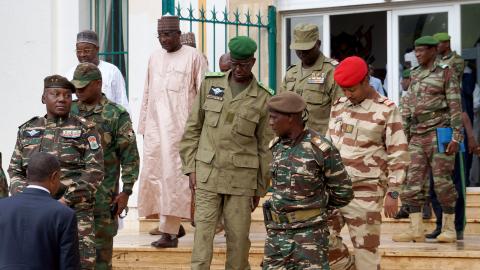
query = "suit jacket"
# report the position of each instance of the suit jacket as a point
(37, 232)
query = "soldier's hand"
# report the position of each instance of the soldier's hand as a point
(62, 201)
(472, 145)
(255, 202)
(192, 179)
(122, 200)
(390, 207)
(452, 148)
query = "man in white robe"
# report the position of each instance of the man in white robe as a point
(173, 78)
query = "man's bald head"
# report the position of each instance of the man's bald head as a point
(225, 62)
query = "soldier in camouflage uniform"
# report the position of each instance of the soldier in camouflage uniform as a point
(367, 130)
(454, 61)
(119, 151)
(76, 143)
(3, 181)
(313, 77)
(433, 101)
(308, 178)
(224, 151)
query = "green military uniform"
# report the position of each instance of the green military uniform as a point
(3, 181)
(315, 84)
(76, 143)
(119, 151)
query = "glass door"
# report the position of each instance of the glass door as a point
(407, 26)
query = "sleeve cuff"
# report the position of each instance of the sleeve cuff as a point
(188, 170)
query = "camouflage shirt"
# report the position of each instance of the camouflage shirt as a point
(307, 174)
(119, 147)
(74, 141)
(432, 101)
(456, 63)
(317, 86)
(372, 143)
(3, 181)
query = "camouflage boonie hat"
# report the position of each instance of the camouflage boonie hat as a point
(84, 74)
(57, 81)
(304, 37)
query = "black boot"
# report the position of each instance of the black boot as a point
(427, 211)
(459, 235)
(402, 213)
(434, 234)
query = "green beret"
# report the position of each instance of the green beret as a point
(406, 73)
(57, 81)
(287, 102)
(84, 74)
(426, 41)
(442, 36)
(242, 47)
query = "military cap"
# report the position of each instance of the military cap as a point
(351, 71)
(406, 73)
(426, 41)
(57, 81)
(242, 47)
(442, 36)
(87, 36)
(287, 102)
(84, 74)
(168, 23)
(304, 37)
(188, 39)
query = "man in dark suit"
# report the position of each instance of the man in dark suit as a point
(36, 231)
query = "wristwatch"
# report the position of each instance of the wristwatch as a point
(393, 194)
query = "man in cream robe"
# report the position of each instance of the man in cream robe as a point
(173, 78)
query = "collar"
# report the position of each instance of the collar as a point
(365, 104)
(38, 187)
(97, 109)
(250, 90)
(55, 120)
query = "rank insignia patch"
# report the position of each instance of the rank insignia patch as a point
(71, 133)
(33, 133)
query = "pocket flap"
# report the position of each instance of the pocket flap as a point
(245, 161)
(212, 105)
(315, 97)
(250, 115)
(204, 156)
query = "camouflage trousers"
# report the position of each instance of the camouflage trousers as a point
(236, 210)
(363, 218)
(425, 157)
(105, 229)
(302, 248)
(3, 184)
(86, 235)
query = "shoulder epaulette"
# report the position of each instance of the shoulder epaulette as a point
(84, 121)
(266, 88)
(214, 74)
(291, 66)
(385, 101)
(118, 106)
(273, 142)
(331, 61)
(322, 144)
(30, 120)
(340, 100)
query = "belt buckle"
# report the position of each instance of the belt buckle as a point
(291, 217)
(275, 217)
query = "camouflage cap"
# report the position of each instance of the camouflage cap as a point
(84, 74)
(304, 37)
(57, 81)
(287, 102)
(426, 41)
(242, 47)
(406, 73)
(443, 36)
(87, 36)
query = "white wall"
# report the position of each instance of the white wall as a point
(36, 42)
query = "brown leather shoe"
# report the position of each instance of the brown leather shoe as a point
(166, 241)
(181, 232)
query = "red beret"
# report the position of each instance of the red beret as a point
(350, 72)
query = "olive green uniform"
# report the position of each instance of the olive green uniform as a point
(226, 144)
(317, 86)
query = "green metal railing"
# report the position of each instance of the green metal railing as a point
(213, 17)
(109, 18)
